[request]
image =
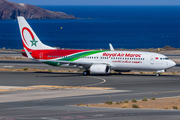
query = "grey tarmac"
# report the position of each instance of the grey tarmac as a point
(55, 104)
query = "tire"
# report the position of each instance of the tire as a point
(85, 73)
(157, 74)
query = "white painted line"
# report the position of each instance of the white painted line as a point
(96, 83)
(9, 87)
(7, 66)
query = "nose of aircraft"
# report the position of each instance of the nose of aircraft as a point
(172, 63)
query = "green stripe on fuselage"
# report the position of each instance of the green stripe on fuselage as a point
(78, 55)
(52, 63)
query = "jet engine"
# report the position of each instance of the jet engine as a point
(100, 69)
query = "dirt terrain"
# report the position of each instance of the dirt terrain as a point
(162, 103)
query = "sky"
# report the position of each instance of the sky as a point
(98, 2)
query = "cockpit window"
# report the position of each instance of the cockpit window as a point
(164, 58)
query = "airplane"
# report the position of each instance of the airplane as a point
(92, 61)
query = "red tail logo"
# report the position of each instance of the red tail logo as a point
(33, 41)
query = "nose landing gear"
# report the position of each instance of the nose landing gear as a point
(160, 71)
(158, 74)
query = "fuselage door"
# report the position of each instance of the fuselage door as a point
(152, 60)
(41, 55)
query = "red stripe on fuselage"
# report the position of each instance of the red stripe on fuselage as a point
(56, 52)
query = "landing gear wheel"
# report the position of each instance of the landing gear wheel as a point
(86, 73)
(157, 74)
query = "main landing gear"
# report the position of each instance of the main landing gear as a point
(158, 74)
(86, 72)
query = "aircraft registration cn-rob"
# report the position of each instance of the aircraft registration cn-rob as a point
(92, 61)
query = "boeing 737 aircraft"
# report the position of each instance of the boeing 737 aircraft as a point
(93, 61)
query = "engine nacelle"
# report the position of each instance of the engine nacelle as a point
(100, 69)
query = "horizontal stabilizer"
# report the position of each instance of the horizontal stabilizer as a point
(28, 54)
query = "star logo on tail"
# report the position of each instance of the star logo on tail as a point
(34, 42)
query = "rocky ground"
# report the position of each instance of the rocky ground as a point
(10, 10)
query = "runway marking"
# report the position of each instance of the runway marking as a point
(7, 66)
(96, 83)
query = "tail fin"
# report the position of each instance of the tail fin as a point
(29, 38)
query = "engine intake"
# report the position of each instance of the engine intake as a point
(100, 69)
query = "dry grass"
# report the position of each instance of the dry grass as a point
(162, 103)
(37, 70)
(14, 58)
(50, 87)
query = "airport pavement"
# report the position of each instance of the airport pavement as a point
(19, 64)
(54, 104)
(57, 103)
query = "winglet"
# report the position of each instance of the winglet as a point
(111, 47)
(28, 54)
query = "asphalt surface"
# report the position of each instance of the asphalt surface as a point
(55, 104)
(19, 64)
(60, 107)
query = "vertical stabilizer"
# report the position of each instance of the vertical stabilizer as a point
(29, 38)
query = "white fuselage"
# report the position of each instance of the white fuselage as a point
(130, 60)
